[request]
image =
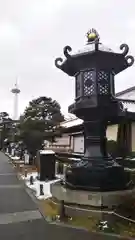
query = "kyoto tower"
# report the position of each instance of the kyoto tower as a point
(15, 91)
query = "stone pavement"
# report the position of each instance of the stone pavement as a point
(19, 215)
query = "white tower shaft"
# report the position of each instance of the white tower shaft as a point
(15, 114)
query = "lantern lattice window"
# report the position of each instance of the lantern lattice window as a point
(89, 86)
(103, 82)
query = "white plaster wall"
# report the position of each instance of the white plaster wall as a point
(79, 144)
(64, 140)
(133, 137)
(111, 132)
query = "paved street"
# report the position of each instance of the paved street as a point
(20, 218)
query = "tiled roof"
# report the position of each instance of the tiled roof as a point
(125, 91)
(70, 123)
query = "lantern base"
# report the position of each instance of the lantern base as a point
(97, 175)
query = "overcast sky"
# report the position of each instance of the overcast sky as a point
(34, 32)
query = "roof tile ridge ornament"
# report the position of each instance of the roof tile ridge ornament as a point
(59, 61)
(130, 59)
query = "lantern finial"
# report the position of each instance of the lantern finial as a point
(93, 36)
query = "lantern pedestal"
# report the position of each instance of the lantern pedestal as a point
(89, 203)
(89, 198)
(96, 171)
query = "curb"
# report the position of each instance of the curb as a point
(30, 192)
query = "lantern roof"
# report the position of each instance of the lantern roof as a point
(91, 47)
(94, 55)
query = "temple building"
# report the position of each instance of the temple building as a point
(123, 133)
